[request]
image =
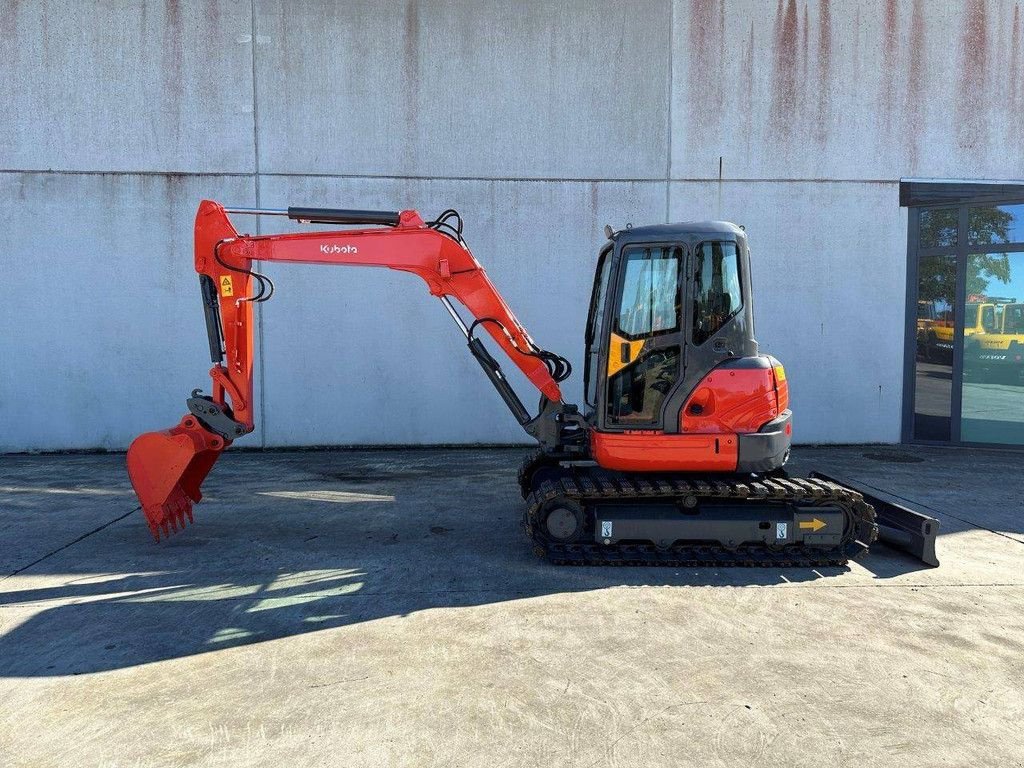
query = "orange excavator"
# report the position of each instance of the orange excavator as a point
(677, 456)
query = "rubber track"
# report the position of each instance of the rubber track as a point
(588, 486)
(536, 459)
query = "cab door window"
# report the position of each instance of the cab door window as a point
(644, 351)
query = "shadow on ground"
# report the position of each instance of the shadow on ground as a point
(290, 543)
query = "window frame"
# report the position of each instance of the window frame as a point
(592, 332)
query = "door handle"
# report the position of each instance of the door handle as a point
(624, 352)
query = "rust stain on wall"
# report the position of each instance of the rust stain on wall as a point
(778, 19)
(172, 49)
(1016, 74)
(784, 98)
(411, 75)
(704, 73)
(805, 46)
(890, 58)
(892, 25)
(212, 27)
(973, 76)
(748, 88)
(824, 72)
(915, 84)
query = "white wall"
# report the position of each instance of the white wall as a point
(540, 121)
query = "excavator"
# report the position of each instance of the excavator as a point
(676, 457)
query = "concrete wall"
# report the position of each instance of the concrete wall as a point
(540, 121)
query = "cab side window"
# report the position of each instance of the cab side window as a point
(650, 292)
(716, 288)
(988, 319)
(1014, 319)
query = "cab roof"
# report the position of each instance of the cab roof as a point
(687, 231)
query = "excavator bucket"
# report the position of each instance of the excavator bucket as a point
(166, 469)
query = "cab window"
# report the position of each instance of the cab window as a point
(716, 288)
(1013, 319)
(650, 292)
(988, 319)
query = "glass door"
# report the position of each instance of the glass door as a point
(967, 369)
(992, 405)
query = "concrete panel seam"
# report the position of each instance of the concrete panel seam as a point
(516, 179)
(671, 88)
(71, 543)
(125, 172)
(255, 102)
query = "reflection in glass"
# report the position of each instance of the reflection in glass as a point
(995, 224)
(933, 368)
(938, 227)
(993, 390)
(637, 392)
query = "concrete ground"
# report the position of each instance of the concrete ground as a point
(383, 608)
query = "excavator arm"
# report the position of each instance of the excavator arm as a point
(168, 467)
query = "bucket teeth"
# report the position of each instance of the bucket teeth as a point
(170, 517)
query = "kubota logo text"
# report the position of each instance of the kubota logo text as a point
(329, 249)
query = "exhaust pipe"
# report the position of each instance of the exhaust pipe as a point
(166, 469)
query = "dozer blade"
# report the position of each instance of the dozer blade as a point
(166, 469)
(898, 526)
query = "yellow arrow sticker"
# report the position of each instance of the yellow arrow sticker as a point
(814, 525)
(226, 289)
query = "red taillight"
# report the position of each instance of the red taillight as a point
(781, 387)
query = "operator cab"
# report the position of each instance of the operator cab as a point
(670, 302)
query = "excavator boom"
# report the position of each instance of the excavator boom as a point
(167, 468)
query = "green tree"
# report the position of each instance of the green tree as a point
(983, 269)
(987, 225)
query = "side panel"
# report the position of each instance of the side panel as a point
(636, 451)
(731, 400)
